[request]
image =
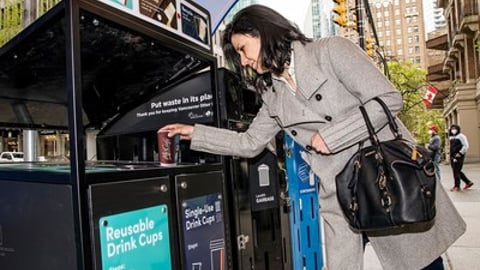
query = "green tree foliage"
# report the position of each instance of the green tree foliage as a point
(10, 20)
(11, 16)
(411, 82)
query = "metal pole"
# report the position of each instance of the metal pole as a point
(76, 133)
(360, 22)
(30, 138)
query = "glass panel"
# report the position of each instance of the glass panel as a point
(121, 69)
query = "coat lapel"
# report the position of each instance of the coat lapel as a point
(287, 108)
(308, 73)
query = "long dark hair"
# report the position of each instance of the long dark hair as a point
(276, 35)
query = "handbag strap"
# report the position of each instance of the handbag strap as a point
(391, 122)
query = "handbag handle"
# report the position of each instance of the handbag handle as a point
(391, 122)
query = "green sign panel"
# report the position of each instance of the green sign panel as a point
(136, 240)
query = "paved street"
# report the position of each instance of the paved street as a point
(465, 252)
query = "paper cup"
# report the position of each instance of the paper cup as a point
(167, 149)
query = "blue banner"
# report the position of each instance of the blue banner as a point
(203, 228)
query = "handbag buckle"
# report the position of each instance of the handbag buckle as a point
(427, 192)
(429, 168)
(357, 164)
(354, 205)
(386, 202)
(382, 182)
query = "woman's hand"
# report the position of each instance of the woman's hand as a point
(319, 145)
(185, 131)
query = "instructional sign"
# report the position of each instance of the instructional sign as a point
(192, 107)
(136, 240)
(189, 102)
(203, 230)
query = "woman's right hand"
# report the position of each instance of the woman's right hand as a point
(185, 131)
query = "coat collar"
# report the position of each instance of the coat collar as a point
(308, 72)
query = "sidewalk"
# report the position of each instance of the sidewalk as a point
(464, 254)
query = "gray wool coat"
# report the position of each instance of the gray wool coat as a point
(334, 77)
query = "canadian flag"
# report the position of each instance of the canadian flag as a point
(430, 95)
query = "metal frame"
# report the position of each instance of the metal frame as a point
(74, 87)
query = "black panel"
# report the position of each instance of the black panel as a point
(36, 226)
(204, 228)
(110, 200)
(261, 227)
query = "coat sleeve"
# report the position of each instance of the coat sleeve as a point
(228, 142)
(435, 144)
(361, 77)
(464, 141)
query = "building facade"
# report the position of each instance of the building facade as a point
(457, 70)
(400, 29)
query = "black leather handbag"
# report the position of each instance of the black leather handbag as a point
(389, 184)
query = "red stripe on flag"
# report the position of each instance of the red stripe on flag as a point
(430, 95)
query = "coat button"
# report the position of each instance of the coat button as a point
(328, 118)
(308, 147)
(294, 132)
(318, 97)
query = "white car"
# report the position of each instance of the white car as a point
(11, 156)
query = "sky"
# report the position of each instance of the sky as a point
(284, 7)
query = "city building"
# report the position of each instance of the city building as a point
(400, 29)
(458, 69)
(318, 22)
(433, 16)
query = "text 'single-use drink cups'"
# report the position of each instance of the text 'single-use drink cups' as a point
(167, 148)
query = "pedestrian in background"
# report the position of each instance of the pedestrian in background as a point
(312, 90)
(458, 150)
(435, 146)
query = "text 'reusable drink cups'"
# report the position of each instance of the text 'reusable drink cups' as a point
(167, 148)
